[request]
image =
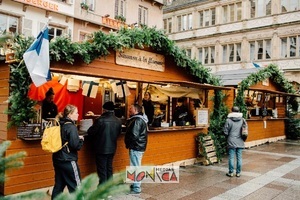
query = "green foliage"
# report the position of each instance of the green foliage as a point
(9, 162)
(21, 107)
(217, 121)
(63, 49)
(86, 191)
(121, 18)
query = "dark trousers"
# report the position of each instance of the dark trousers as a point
(66, 174)
(104, 166)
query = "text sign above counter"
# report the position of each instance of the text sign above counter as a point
(141, 59)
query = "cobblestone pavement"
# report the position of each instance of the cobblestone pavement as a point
(270, 171)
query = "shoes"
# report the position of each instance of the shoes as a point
(238, 175)
(134, 192)
(229, 174)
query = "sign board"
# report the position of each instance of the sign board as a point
(30, 131)
(201, 117)
(141, 59)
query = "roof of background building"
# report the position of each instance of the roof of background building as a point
(234, 77)
(177, 4)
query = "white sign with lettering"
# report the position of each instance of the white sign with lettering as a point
(141, 59)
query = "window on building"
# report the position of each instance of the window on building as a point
(231, 52)
(143, 15)
(290, 5)
(260, 8)
(27, 27)
(184, 22)
(207, 55)
(55, 32)
(189, 52)
(90, 3)
(120, 8)
(207, 17)
(290, 46)
(232, 12)
(168, 25)
(83, 36)
(260, 49)
(9, 24)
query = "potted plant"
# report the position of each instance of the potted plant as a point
(120, 18)
(84, 6)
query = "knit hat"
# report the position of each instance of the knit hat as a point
(109, 105)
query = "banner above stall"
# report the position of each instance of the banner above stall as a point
(141, 59)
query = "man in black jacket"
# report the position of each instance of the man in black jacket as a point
(136, 140)
(104, 133)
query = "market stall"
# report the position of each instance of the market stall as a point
(265, 99)
(122, 77)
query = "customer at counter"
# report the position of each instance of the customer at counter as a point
(65, 161)
(49, 108)
(136, 138)
(148, 107)
(104, 132)
(180, 113)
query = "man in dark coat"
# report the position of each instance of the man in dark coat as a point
(136, 139)
(104, 133)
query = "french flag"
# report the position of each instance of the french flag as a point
(36, 59)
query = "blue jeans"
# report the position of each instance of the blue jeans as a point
(136, 160)
(232, 152)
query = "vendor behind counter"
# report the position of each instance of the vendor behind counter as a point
(49, 108)
(181, 114)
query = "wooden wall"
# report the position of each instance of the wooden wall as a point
(4, 93)
(258, 131)
(37, 172)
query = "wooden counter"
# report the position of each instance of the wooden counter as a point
(262, 130)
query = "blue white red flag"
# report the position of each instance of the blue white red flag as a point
(36, 59)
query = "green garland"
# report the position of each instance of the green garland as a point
(272, 72)
(63, 49)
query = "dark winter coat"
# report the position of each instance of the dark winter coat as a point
(149, 110)
(69, 133)
(104, 133)
(136, 136)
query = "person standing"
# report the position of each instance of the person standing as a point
(136, 138)
(235, 143)
(104, 132)
(65, 164)
(148, 106)
(49, 108)
(180, 113)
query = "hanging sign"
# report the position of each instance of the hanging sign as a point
(141, 59)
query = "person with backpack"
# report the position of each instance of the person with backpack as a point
(232, 129)
(65, 164)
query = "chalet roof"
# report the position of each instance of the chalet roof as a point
(234, 77)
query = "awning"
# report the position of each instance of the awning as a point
(189, 84)
(274, 92)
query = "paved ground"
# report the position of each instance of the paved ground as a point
(270, 171)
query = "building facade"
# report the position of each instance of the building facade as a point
(77, 18)
(237, 34)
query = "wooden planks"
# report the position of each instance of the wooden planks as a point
(207, 151)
